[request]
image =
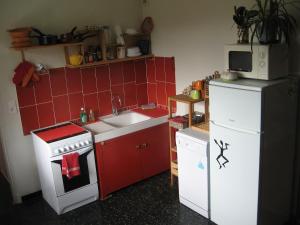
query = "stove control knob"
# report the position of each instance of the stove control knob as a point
(81, 143)
(72, 147)
(60, 150)
(66, 148)
(77, 145)
(86, 142)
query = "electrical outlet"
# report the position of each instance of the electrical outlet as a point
(12, 106)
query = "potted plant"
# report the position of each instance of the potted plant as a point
(271, 22)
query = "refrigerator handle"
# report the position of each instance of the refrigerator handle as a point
(237, 129)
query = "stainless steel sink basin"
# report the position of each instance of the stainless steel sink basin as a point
(124, 119)
(99, 127)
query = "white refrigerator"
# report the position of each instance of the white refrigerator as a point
(252, 144)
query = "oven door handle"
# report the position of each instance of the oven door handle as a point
(80, 152)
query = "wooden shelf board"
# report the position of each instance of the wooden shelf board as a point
(184, 99)
(201, 127)
(103, 62)
(47, 46)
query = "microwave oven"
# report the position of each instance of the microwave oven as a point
(264, 62)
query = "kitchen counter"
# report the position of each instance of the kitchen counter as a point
(103, 131)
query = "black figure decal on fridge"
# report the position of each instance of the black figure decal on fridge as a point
(222, 147)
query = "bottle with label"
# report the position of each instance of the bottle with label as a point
(91, 116)
(83, 116)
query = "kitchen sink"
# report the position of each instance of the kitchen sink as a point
(124, 119)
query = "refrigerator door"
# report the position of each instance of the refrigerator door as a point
(235, 108)
(234, 176)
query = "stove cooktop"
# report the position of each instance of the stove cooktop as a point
(59, 132)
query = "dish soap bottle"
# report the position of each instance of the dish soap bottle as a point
(83, 116)
(91, 116)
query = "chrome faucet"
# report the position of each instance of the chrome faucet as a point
(116, 104)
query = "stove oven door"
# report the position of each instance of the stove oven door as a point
(88, 174)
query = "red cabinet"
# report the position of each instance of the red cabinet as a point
(130, 158)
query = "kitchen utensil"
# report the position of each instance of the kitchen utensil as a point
(120, 52)
(45, 39)
(144, 45)
(76, 59)
(133, 51)
(68, 37)
(147, 25)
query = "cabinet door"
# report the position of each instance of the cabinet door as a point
(155, 156)
(118, 163)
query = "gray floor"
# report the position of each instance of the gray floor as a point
(151, 202)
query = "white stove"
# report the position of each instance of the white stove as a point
(50, 144)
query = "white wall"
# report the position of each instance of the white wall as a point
(195, 33)
(51, 16)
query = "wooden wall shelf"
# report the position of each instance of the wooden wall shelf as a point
(103, 62)
(47, 46)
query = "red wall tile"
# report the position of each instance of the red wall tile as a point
(104, 99)
(152, 92)
(129, 73)
(140, 70)
(160, 69)
(25, 95)
(170, 69)
(73, 80)
(42, 90)
(61, 108)
(103, 79)
(89, 80)
(58, 81)
(150, 64)
(46, 114)
(29, 119)
(161, 93)
(91, 102)
(116, 73)
(141, 90)
(76, 103)
(130, 94)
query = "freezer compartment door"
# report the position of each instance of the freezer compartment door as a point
(235, 108)
(234, 176)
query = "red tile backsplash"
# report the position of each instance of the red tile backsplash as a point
(46, 114)
(116, 73)
(76, 103)
(74, 84)
(26, 95)
(60, 94)
(58, 81)
(103, 79)
(61, 108)
(88, 81)
(42, 90)
(29, 118)
(129, 74)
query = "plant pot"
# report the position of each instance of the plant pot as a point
(243, 35)
(267, 32)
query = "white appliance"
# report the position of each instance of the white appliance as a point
(192, 157)
(50, 144)
(264, 62)
(252, 143)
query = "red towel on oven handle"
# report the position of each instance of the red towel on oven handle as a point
(70, 165)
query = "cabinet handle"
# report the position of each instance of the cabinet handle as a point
(102, 143)
(145, 145)
(138, 146)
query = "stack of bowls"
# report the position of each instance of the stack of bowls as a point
(20, 37)
(133, 51)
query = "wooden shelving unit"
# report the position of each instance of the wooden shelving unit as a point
(130, 40)
(173, 150)
(103, 62)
